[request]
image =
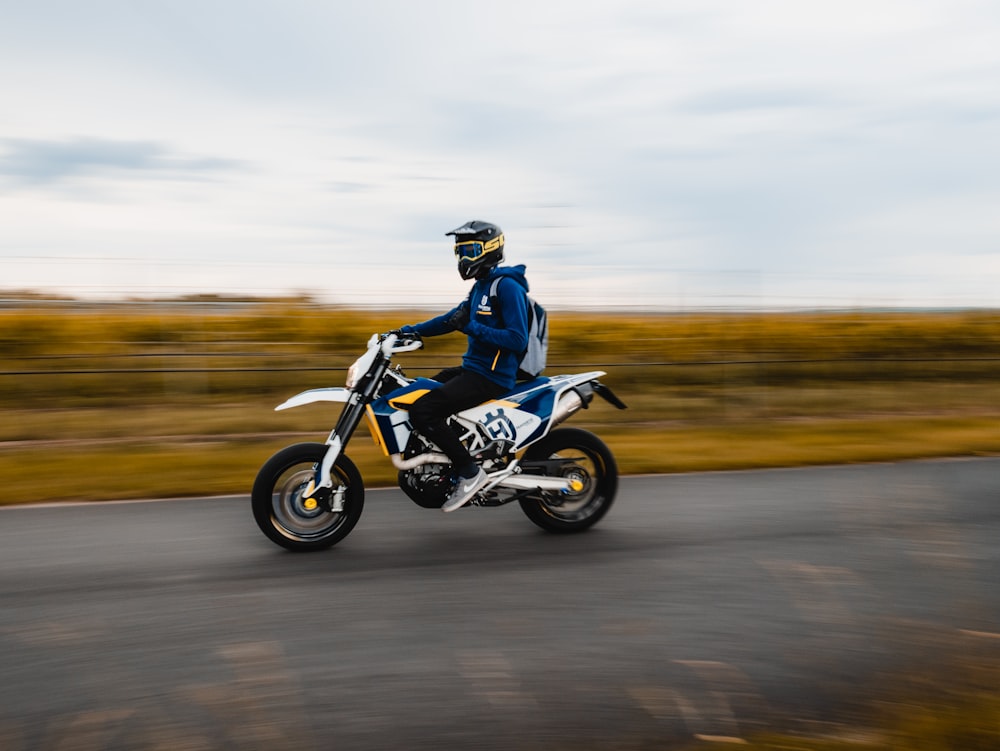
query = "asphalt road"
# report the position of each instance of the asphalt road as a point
(703, 606)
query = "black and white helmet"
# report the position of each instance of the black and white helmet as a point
(478, 247)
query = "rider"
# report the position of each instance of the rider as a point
(497, 328)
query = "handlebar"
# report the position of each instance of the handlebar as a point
(395, 341)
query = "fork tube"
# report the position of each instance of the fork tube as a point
(349, 419)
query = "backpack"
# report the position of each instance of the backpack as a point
(533, 360)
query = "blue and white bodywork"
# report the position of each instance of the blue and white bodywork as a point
(308, 496)
(516, 420)
(521, 416)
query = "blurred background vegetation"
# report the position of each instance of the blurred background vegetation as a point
(158, 399)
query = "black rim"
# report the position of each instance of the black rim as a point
(586, 468)
(301, 518)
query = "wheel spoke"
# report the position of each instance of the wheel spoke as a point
(582, 458)
(300, 516)
(291, 513)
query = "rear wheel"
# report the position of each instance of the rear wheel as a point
(293, 519)
(580, 456)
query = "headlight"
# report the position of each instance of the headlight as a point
(363, 364)
(352, 375)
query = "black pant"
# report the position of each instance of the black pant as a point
(460, 389)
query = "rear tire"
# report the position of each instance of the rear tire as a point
(290, 520)
(583, 457)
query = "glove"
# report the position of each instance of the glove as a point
(459, 319)
(400, 332)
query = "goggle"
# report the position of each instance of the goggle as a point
(470, 250)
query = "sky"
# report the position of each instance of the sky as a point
(673, 154)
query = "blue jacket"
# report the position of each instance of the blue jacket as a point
(497, 338)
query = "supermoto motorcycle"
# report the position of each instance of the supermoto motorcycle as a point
(309, 496)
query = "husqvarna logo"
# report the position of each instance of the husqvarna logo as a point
(498, 425)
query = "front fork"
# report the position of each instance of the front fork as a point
(320, 487)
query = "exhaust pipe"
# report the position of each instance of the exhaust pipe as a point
(400, 463)
(569, 403)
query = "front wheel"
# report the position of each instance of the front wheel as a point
(579, 456)
(293, 520)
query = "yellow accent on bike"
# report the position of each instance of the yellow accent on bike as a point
(311, 504)
(407, 399)
(576, 486)
(374, 429)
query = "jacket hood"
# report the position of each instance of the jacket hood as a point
(514, 272)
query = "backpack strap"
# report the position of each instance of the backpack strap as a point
(494, 288)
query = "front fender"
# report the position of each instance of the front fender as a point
(331, 394)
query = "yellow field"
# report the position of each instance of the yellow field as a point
(124, 401)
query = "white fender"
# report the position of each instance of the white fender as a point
(332, 394)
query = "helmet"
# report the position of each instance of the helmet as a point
(478, 247)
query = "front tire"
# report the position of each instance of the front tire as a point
(579, 455)
(287, 517)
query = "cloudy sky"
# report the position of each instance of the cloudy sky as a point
(675, 153)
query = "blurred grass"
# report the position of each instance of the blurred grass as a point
(121, 401)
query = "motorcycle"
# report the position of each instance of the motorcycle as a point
(309, 496)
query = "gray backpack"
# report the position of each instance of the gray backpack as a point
(533, 360)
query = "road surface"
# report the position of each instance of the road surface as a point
(703, 606)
